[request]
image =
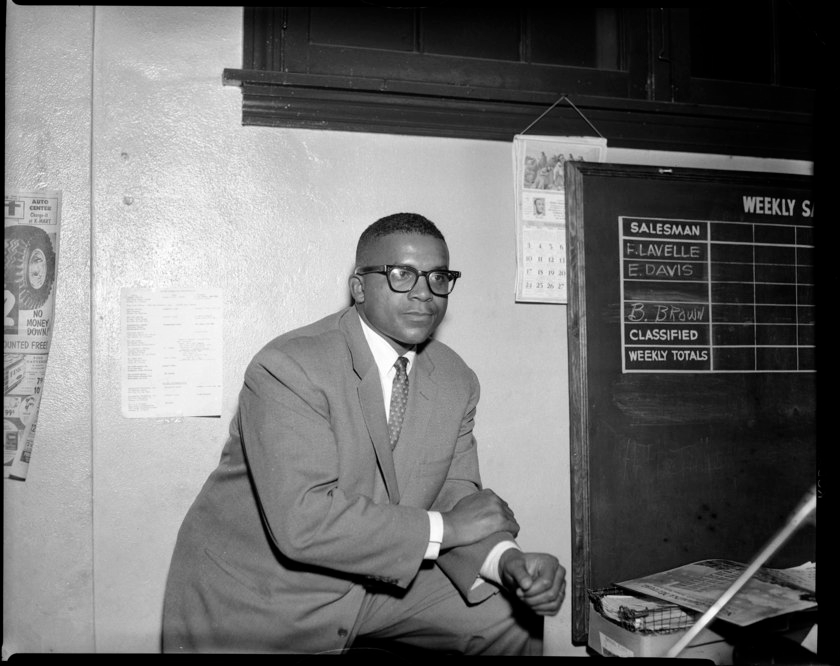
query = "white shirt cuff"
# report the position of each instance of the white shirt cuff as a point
(490, 568)
(435, 535)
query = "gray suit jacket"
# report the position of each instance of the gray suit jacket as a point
(308, 506)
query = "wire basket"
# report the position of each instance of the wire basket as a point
(660, 618)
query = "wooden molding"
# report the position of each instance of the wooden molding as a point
(359, 104)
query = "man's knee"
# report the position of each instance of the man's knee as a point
(505, 627)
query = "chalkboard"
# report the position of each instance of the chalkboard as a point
(692, 368)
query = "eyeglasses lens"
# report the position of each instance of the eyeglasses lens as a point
(440, 282)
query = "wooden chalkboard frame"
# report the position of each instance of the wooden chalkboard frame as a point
(579, 178)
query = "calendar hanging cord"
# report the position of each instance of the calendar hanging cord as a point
(579, 112)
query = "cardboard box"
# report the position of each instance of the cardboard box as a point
(610, 639)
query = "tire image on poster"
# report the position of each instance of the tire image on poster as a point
(29, 266)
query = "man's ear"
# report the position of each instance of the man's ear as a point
(357, 288)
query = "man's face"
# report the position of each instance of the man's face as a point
(405, 319)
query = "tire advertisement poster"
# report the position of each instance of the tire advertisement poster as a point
(32, 221)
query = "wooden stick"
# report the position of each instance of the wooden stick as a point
(802, 511)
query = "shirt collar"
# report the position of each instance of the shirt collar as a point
(383, 353)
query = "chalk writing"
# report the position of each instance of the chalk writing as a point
(718, 296)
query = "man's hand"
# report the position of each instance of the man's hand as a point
(537, 579)
(475, 517)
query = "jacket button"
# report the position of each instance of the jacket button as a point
(342, 632)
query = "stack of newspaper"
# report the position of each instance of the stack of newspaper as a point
(697, 586)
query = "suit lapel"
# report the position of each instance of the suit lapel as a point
(370, 399)
(411, 446)
(370, 396)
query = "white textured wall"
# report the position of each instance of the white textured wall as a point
(184, 196)
(47, 550)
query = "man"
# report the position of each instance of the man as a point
(316, 531)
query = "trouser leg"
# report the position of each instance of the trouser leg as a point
(432, 614)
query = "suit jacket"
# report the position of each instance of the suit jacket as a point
(309, 507)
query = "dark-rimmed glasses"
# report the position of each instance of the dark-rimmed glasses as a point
(403, 278)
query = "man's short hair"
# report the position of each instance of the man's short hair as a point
(398, 223)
